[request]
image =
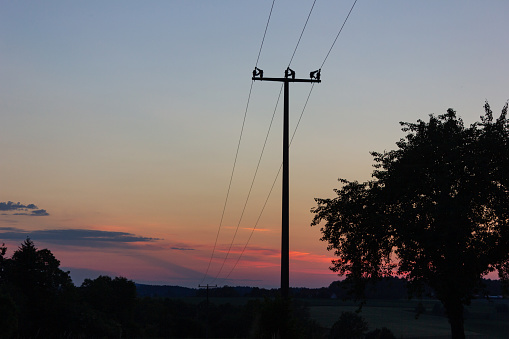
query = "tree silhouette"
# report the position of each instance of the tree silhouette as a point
(3, 262)
(113, 301)
(437, 211)
(41, 291)
(8, 318)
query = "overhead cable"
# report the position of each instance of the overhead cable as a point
(296, 127)
(237, 151)
(301, 33)
(337, 36)
(250, 188)
(261, 155)
(271, 188)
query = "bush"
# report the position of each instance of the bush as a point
(282, 319)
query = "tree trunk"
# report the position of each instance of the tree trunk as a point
(454, 311)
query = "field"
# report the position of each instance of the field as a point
(482, 319)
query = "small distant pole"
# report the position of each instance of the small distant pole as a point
(285, 219)
(207, 315)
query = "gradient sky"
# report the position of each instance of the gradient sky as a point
(120, 122)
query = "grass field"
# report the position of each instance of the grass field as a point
(482, 320)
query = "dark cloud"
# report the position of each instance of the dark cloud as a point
(11, 206)
(36, 213)
(182, 248)
(75, 237)
(26, 209)
(10, 229)
(39, 213)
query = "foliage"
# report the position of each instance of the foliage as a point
(3, 263)
(41, 292)
(436, 212)
(169, 318)
(113, 299)
(350, 325)
(8, 318)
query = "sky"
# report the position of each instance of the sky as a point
(121, 122)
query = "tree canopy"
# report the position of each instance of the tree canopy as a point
(436, 211)
(38, 299)
(41, 292)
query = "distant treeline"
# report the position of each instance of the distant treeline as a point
(389, 288)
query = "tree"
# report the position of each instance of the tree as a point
(37, 271)
(114, 301)
(3, 262)
(281, 318)
(41, 291)
(436, 212)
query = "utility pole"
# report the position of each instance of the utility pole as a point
(207, 316)
(285, 218)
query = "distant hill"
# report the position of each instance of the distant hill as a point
(164, 291)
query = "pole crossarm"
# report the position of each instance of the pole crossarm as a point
(286, 79)
(314, 76)
(207, 286)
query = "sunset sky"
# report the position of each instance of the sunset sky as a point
(120, 122)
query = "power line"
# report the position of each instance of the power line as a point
(237, 151)
(229, 185)
(273, 184)
(265, 33)
(301, 33)
(296, 127)
(261, 155)
(252, 183)
(255, 225)
(337, 36)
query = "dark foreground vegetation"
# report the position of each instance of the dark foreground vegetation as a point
(39, 300)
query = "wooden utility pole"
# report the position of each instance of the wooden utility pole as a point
(285, 218)
(207, 315)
